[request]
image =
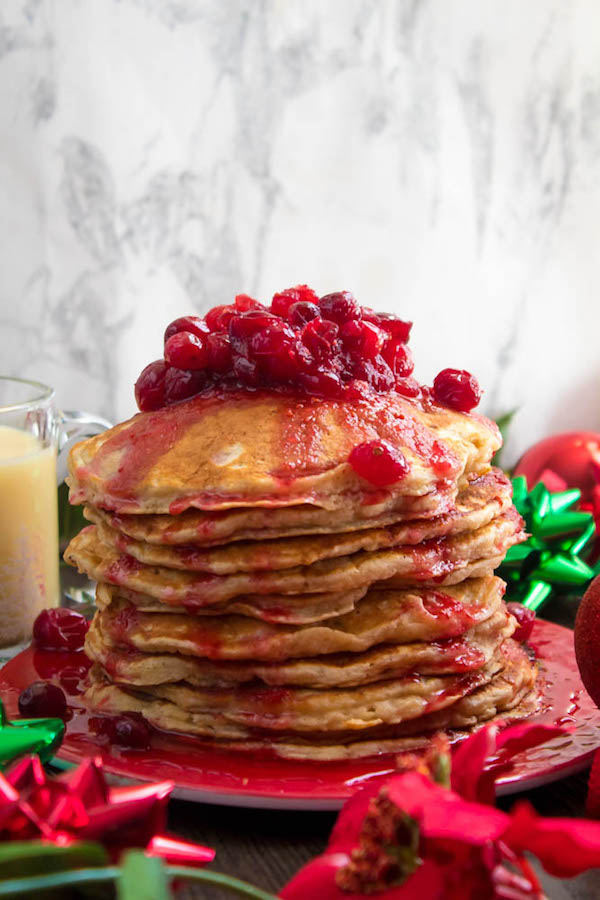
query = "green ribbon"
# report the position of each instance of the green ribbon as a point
(25, 736)
(551, 557)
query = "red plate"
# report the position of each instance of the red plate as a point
(237, 779)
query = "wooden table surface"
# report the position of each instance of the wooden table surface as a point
(266, 847)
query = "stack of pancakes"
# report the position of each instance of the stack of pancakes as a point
(255, 591)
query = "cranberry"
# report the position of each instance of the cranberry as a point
(302, 312)
(283, 300)
(219, 317)
(150, 386)
(244, 303)
(273, 348)
(244, 325)
(130, 730)
(186, 351)
(218, 347)
(394, 326)
(362, 338)
(407, 387)
(379, 463)
(525, 618)
(339, 307)
(376, 372)
(60, 629)
(181, 385)
(457, 389)
(192, 324)
(42, 699)
(318, 336)
(399, 358)
(321, 383)
(246, 371)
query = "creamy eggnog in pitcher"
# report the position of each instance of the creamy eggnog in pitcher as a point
(28, 532)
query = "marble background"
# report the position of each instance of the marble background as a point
(440, 158)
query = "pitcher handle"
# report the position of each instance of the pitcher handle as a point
(74, 426)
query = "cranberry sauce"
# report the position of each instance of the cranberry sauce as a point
(323, 347)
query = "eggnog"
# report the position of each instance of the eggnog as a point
(28, 532)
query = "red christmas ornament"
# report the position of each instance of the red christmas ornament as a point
(570, 460)
(79, 805)
(587, 640)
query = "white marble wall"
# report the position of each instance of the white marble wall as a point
(440, 158)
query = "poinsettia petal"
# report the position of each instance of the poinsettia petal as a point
(346, 831)
(468, 764)
(443, 814)
(517, 738)
(565, 847)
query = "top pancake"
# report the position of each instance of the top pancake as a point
(261, 449)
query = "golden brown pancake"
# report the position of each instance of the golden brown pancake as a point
(480, 503)
(473, 650)
(292, 609)
(381, 617)
(385, 719)
(444, 561)
(249, 449)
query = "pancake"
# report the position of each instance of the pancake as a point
(507, 684)
(441, 561)
(247, 449)
(473, 650)
(480, 503)
(293, 609)
(381, 617)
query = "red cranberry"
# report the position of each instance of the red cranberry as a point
(130, 730)
(399, 358)
(219, 317)
(244, 303)
(407, 387)
(60, 629)
(302, 312)
(339, 307)
(41, 700)
(318, 336)
(394, 326)
(362, 338)
(321, 383)
(181, 385)
(246, 371)
(376, 372)
(379, 463)
(283, 300)
(192, 324)
(525, 618)
(218, 347)
(244, 325)
(273, 348)
(150, 386)
(457, 389)
(186, 351)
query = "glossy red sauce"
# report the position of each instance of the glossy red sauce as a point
(457, 615)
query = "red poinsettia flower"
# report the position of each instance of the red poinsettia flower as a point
(414, 837)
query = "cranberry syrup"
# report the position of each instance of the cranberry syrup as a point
(321, 347)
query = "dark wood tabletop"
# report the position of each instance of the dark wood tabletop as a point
(266, 847)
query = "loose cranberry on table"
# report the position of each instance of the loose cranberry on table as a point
(525, 618)
(457, 389)
(42, 700)
(379, 463)
(60, 629)
(130, 730)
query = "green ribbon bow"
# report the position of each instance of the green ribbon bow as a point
(551, 557)
(41, 736)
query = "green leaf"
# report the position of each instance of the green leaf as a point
(39, 858)
(142, 878)
(503, 422)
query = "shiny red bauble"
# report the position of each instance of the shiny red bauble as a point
(587, 640)
(574, 457)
